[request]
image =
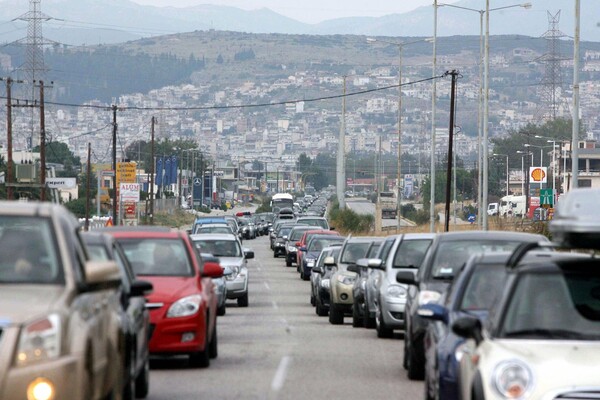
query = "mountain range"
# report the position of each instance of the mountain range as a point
(79, 22)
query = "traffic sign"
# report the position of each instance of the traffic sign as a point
(546, 197)
(197, 182)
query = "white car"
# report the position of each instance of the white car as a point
(542, 341)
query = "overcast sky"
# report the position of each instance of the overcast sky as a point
(310, 11)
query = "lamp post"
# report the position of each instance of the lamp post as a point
(541, 155)
(400, 46)
(507, 176)
(483, 105)
(432, 216)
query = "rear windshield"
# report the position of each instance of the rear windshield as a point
(484, 287)
(297, 234)
(160, 257)
(315, 222)
(354, 251)
(214, 229)
(410, 253)
(219, 248)
(319, 243)
(452, 255)
(28, 253)
(284, 231)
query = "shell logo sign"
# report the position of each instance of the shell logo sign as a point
(538, 174)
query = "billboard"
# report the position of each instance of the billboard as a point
(538, 174)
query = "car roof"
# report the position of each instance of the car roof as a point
(364, 239)
(489, 235)
(142, 232)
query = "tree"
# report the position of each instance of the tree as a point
(59, 153)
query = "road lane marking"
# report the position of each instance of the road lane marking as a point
(267, 286)
(275, 306)
(281, 374)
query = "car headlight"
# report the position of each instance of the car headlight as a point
(512, 379)
(185, 307)
(396, 291)
(325, 283)
(346, 280)
(291, 249)
(236, 271)
(428, 296)
(40, 340)
(279, 245)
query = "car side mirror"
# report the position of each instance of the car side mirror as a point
(99, 274)
(329, 261)
(374, 263)
(212, 270)
(433, 312)
(248, 254)
(468, 327)
(141, 288)
(406, 277)
(353, 268)
(318, 270)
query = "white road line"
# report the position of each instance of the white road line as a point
(281, 374)
(267, 285)
(275, 306)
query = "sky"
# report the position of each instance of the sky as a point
(309, 11)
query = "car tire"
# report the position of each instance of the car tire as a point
(383, 331)
(369, 322)
(200, 359)
(415, 369)
(243, 301)
(336, 317)
(288, 263)
(275, 255)
(357, 320)
(213, 351)
(321, 309)
(221, 310)
(142, 382)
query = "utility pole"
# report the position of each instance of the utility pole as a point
(575, 133)
(114, 165)
(152, 171)
(454, 75)
(432, 216)
(9, 162)
(42, 145)
(87, 188)
(341, 156)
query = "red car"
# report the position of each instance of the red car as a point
(304, 241)
(183, 305)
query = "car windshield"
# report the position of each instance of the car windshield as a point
(354, 251)
(160, 257)
(315, 222)
(410, 253)
(214, 229)
(219, 248)
(319, 243)
(296, 234)
(554, 306)
(484, 287)
(27, 252)
(284, 231)
(450, 256)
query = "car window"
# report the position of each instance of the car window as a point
(214, 229)
(354, 251)
(28, 253)
(317, 244)
(384, 250)
(452, 255)
(373, 250)
(554, 306)
(315, 222)
(219, 248)
(484, 287)
(284, 231)
(97, 252)
(410, 253)
(296, 234)
(160, 257)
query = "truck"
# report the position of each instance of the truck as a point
(389, 205)
(512, 206)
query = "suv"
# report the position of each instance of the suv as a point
(387, 296)
(228, 249)
(319, 222)
(449, 252)
(183, 306)
(60, 330)
(342, 279)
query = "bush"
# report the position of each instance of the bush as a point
(347, 221)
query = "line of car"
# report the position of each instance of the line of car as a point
(81, 313)
(483, 315)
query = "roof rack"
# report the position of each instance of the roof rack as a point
(524, 248)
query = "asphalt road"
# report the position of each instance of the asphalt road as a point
(278, 348)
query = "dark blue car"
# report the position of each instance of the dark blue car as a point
(473, 292)
(313, 249)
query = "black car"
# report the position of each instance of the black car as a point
(449, 252)
(135, 316)
(280, 240)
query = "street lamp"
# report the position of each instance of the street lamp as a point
(553, 141)
(400, 46)
(507, 176)
(482, 121)
(541, 155)
(523, 155)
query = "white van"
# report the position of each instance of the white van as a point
(492, 209)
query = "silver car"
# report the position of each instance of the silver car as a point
(228, 249)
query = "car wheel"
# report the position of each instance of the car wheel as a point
(142, 382)
(221, 310)
(382, 330)
(213, 350)
(336, 317)
(275, 255)
(415, 369)
(357, 321)
(288, 263)
(369, 322)
(200, 359)
(243, 301)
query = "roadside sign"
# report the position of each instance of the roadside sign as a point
(61, 183)
(218, 173)
(197, 182)
(538, 174)
(129, 192)
(126, 172)
(546, 197)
